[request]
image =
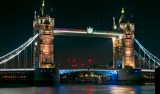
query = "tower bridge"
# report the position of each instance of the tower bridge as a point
(42, 49)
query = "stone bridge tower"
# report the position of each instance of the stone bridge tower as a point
(44, 47)
(128, 29)
(123, 46)
(45, 70)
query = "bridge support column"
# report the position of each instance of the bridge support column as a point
(43, 76)
(128, 44)
(117, 52)
(157, 80)
(46, 76)
(129, 74)
(46, 71)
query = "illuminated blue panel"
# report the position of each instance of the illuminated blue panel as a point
(66, 71)
(113, 74)
(107, 72)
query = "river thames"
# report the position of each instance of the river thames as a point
(81, 89)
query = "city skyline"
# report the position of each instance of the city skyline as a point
(17, 22)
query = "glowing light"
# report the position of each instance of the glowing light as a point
(89, 60)
(89, 90)
(74, 60)
(128, 52)
(101, 71)
(36, 44)
(82, 64)
(89, 30)
(115, 27)
(120, 37)
(43, 4)
(113, 39)
(86, 75)
(29, 69)
(149, 70)
(122, 11)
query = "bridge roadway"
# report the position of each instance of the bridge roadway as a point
(29, 74)
(85, 33)
(70, 70)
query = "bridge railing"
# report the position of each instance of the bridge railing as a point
(85, 30)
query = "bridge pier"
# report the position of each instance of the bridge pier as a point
(157, 80)
(129, 74)
(46, 72)
(46, 76)
(117, 52)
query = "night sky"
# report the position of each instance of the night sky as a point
(17, 16)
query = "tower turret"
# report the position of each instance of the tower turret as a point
(42, 8)
(44, 48)
(122, 19)
(114, 24)
(35, 15)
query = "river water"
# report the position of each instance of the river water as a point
(81, 89)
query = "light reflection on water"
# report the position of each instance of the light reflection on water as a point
(81, 89)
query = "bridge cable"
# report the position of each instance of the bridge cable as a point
(19, 50)
(31, 55)
(154, 58)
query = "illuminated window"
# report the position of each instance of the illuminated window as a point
(45, 49)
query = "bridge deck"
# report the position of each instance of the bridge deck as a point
(32, 69)
(108, 34)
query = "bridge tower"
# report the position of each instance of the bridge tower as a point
(117, 48)
(44, 48)
(44, 45)
(128, 29)
(45, 68)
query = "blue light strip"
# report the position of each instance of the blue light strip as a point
(64, 71)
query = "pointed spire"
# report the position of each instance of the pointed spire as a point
(35, 15)
(43, 4)
(114, 24)
(42, 10)
(51, 14)
(132, 19)
(122, 19)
